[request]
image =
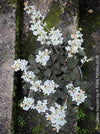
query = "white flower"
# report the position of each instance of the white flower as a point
(49, 87)
(76, 93)
(69, 86)
(38, 27)
(57, 116)
(85, 60)
(55, 37)
(28, 76)
(67, 48)
(27, 103)
(74, 44)
(41, 106)
(35, 85)
(19, 64)
(43, 57)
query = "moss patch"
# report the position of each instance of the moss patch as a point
(89, 22)
(39, 128)
(53, 17)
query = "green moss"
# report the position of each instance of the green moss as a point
(21, 121)
(29, 45)
(81, 114)
(12, 1)
(17, 85)
(38, 129)
(53, 17)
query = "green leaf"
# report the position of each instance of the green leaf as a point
(54, 57)
(47, 72)
(36, 71)
(61, 59)
(77, 83)
(32, 59)
(58, 71)
(64, 69)
(62, 84)
(72, 63)
(57, 79)
(57, 66)
(81, 52)
(87, 103)
(37, 50)
(65, 90)
(26, 86)
(32, 94)
(49, 63)
(61, 94)
(40, 66)
(75, 74)
(66, 77)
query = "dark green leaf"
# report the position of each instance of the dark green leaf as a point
(66, 77)
(31, 95)
(47, 72)
(61, 94)
(77, 83)
(62, 84)
(66, 90)
(41, 67)
(26, 86)
(57, 66)
(36, 71)
(49, 63)
(54, 57)
(72, 63)
(75, 74)
(87, 103)
(61, 59)
(81, 52)
(64, 69)
(37, 50)
(58, 71)
(32, 59)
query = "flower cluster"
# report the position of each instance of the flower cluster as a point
(43, 57)
(57, 116)
(74, 44)
(49, 87)
(76, 93)
(28, 76)
(38, 25)
(85, 60)
(19, 65)
(55, 37)
(28, 103)
(36, 85)
(41, 106)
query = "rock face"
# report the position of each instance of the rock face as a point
(7, 39)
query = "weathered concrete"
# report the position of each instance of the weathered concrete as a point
(7, 39)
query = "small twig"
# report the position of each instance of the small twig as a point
(61, 49)
(81, 66)
(65, 61)
(66, 100)
(56, 50)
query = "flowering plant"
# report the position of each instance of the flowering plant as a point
(53, 70)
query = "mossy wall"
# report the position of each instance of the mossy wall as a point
(89, 21)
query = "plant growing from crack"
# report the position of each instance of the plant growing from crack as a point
(53, 70)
